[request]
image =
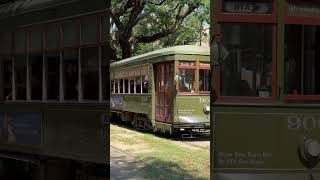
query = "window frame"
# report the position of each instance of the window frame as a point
(239, 18)
(299, 20)
(195, 83)
(203, 68)
(26, 52)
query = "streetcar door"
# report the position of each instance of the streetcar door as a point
(164, 91)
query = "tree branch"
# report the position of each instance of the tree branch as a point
(158, 4)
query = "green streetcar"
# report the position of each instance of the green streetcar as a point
(165, 90)
(266, 69)
(54, 89)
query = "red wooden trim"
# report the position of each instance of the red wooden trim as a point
(246, 18)
(204, 92)
(217, 77)
(246, 99)
(187, 67)
(185, 93)
(274, 64)
(302, 20)
(204, 68)
(301, 98)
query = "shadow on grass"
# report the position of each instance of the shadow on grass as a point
(159, 169)
(124, 167)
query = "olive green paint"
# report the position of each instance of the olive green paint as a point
(268, 132)
(71, 131)
(179, 101)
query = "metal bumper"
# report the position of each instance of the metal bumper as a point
(191, 125)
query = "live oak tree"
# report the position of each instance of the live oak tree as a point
(146, 21)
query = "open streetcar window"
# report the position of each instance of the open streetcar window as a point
(131, 85)
(145, 84)
(89, 30)
(53, 37)
(36, 74)
(35, 39)
(121, 86)
(112, 86)
(302, 67)
(70, 33)
(52, 75)
(5, 43)
(187, 76)
(204, 72)
(105, 66)
(187, 80)
(70, 72)
(20, 42)
(90, 73)
(20, 75)
(126, 86)
(138, 84)
(6, 79)
(247, 64)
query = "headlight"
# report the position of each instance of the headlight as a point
(206, 109)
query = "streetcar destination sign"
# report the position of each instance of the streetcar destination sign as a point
(247, 7)
(303, 9)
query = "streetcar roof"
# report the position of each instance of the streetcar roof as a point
(175, 50)
(24, 6)
(24, 12)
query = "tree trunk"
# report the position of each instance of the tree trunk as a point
(126, 50)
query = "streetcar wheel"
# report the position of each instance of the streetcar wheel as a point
(134, 121)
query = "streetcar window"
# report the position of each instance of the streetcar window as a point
(89, 30)
(247, 64)
(6, 80)
(131, 83)
(104, 28)
(121, 86)
(204, 80)
(105, 72)
(112, 86)
(187, 63)
(36, 66)
(52, 70)
(138, 84)
(20, 69)
(90, 73)
(35, 39)
(53, 37)
(71, 70)
(145, 84)
(5, 43)
(116, 84)
(20, 42)
(302, 51)
(70, 34)
(126, 86)
(187, 80)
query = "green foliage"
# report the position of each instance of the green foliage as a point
(158, 23)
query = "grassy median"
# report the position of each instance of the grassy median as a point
(163, 158)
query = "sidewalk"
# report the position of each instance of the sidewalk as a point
(124, 166)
